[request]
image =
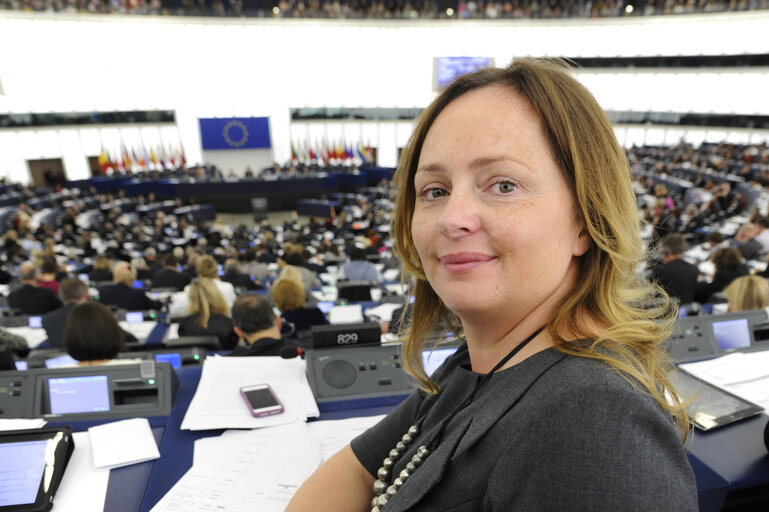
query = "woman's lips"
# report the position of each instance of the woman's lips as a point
(462, 262)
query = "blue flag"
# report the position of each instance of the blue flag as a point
(235, 133)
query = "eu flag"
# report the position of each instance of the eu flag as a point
(235, 133)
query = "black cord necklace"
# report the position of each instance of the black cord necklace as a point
(382, 487)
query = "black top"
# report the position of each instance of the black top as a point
(721, 280)
(304, 318)
(167, 278)
(123, 296)
(262, 347)
(218, 325)
(678, 278)
(33, 300)
(55, 321)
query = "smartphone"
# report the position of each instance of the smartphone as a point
(261, 400)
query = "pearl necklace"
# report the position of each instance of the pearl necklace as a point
(383, 489)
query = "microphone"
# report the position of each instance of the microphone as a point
(291, 352)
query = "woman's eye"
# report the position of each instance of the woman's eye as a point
(506, 187)
(433, 193)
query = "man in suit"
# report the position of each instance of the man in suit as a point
(257, 325)
(32, 299)
(122, 294)
(676, 276)
(73, 292)
(169, 276)
(233, 275)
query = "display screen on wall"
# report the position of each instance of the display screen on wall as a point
(235, 133)
(448, 68)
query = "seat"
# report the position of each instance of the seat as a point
(206, 342)
(354, 291)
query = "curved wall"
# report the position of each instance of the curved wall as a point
(263, 67)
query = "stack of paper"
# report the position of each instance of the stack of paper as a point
(122, 443)
(248, 472)
(218, 404)
(258, 470)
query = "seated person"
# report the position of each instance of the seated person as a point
(677, 276)
(31, 299)
(207, 269)
(293, 255)
(48, 271)
(17, 344)
(72, 291)
(208, 314)
(729, 266)
(101, 270)
(289, 297)
(747, 293)
(237, 279)
(122, 294)
(358, 268)
(92, 335)
(257, 325)
(169, 276)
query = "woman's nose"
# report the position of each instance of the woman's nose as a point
(460, 214)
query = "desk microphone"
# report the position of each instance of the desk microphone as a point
(291, 352)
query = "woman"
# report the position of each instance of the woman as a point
(729, 266)
(516, 216)
(208, 314)
(207, 268)
(747, 293)
(288, 296)
(92, 335)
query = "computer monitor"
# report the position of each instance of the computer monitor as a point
(85, 393)
(58, 362)
(432, 359)
(138, 284)
(35, 322)
(174, 358)
(325, 306)
(732, 334)
(134, 317)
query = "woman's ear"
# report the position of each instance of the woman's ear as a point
(581, 243)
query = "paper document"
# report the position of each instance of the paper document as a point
(21, 424)
(83, 488)
(33, 335)
(218, 404)
(336, 434)
(745, 374)
(141, 330)
(249, 471)
(122, 443)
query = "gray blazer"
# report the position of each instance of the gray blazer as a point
(554, 432)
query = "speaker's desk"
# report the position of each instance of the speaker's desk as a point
(731, 464)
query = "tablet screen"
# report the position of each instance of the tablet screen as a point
(709, 406)
(88, 393)
(21, 469)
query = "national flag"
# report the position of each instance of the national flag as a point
(104, 163)
(294, 156)
(153, 157)
(126, 158)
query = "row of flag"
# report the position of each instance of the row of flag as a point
(325, 153)
(141, 159)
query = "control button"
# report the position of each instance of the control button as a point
(362, 367)
(16, 383)
(396, 356)
(693, 348)
(16, 392)
(1, 411)
(699, 334)
(397, 364)
(385, 382)
(372, 366)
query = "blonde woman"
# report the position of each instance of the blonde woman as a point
(206, 269)
(747, 293)
(208, 314)
(289, 297)
(516, 217)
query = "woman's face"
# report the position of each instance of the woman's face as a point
(494, 222)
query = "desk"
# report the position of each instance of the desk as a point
(728, 462)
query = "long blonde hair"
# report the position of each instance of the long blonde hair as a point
(205, 299)
(746, 293)
(632, 316)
